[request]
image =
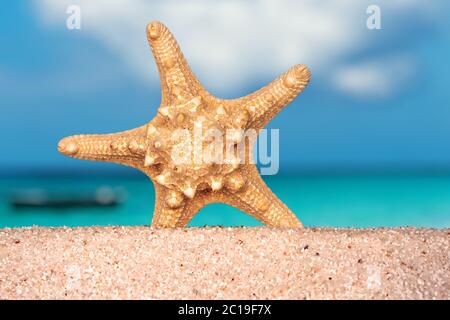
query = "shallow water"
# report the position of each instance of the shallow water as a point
(338, 201)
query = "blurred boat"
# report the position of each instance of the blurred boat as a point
(42, 198)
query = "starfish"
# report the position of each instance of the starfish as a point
(182, 188)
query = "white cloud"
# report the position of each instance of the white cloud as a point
(230, 43)
(375, 78)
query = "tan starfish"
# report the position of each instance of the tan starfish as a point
(183, 187)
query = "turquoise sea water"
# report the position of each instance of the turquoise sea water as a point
(339, 201)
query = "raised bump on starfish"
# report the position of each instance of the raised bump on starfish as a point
(182, 189)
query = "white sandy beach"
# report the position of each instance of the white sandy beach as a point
(224, 263)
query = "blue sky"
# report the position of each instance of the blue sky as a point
(377, 98)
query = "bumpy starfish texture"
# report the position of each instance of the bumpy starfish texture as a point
(183, 187)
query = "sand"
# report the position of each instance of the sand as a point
(224, 263)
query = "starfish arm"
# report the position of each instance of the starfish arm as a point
(178, 83)
(126, 147)
(259, 201)
(265, 103)
(163, 215)
(168, 215)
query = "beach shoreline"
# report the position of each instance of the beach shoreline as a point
(224, 263)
